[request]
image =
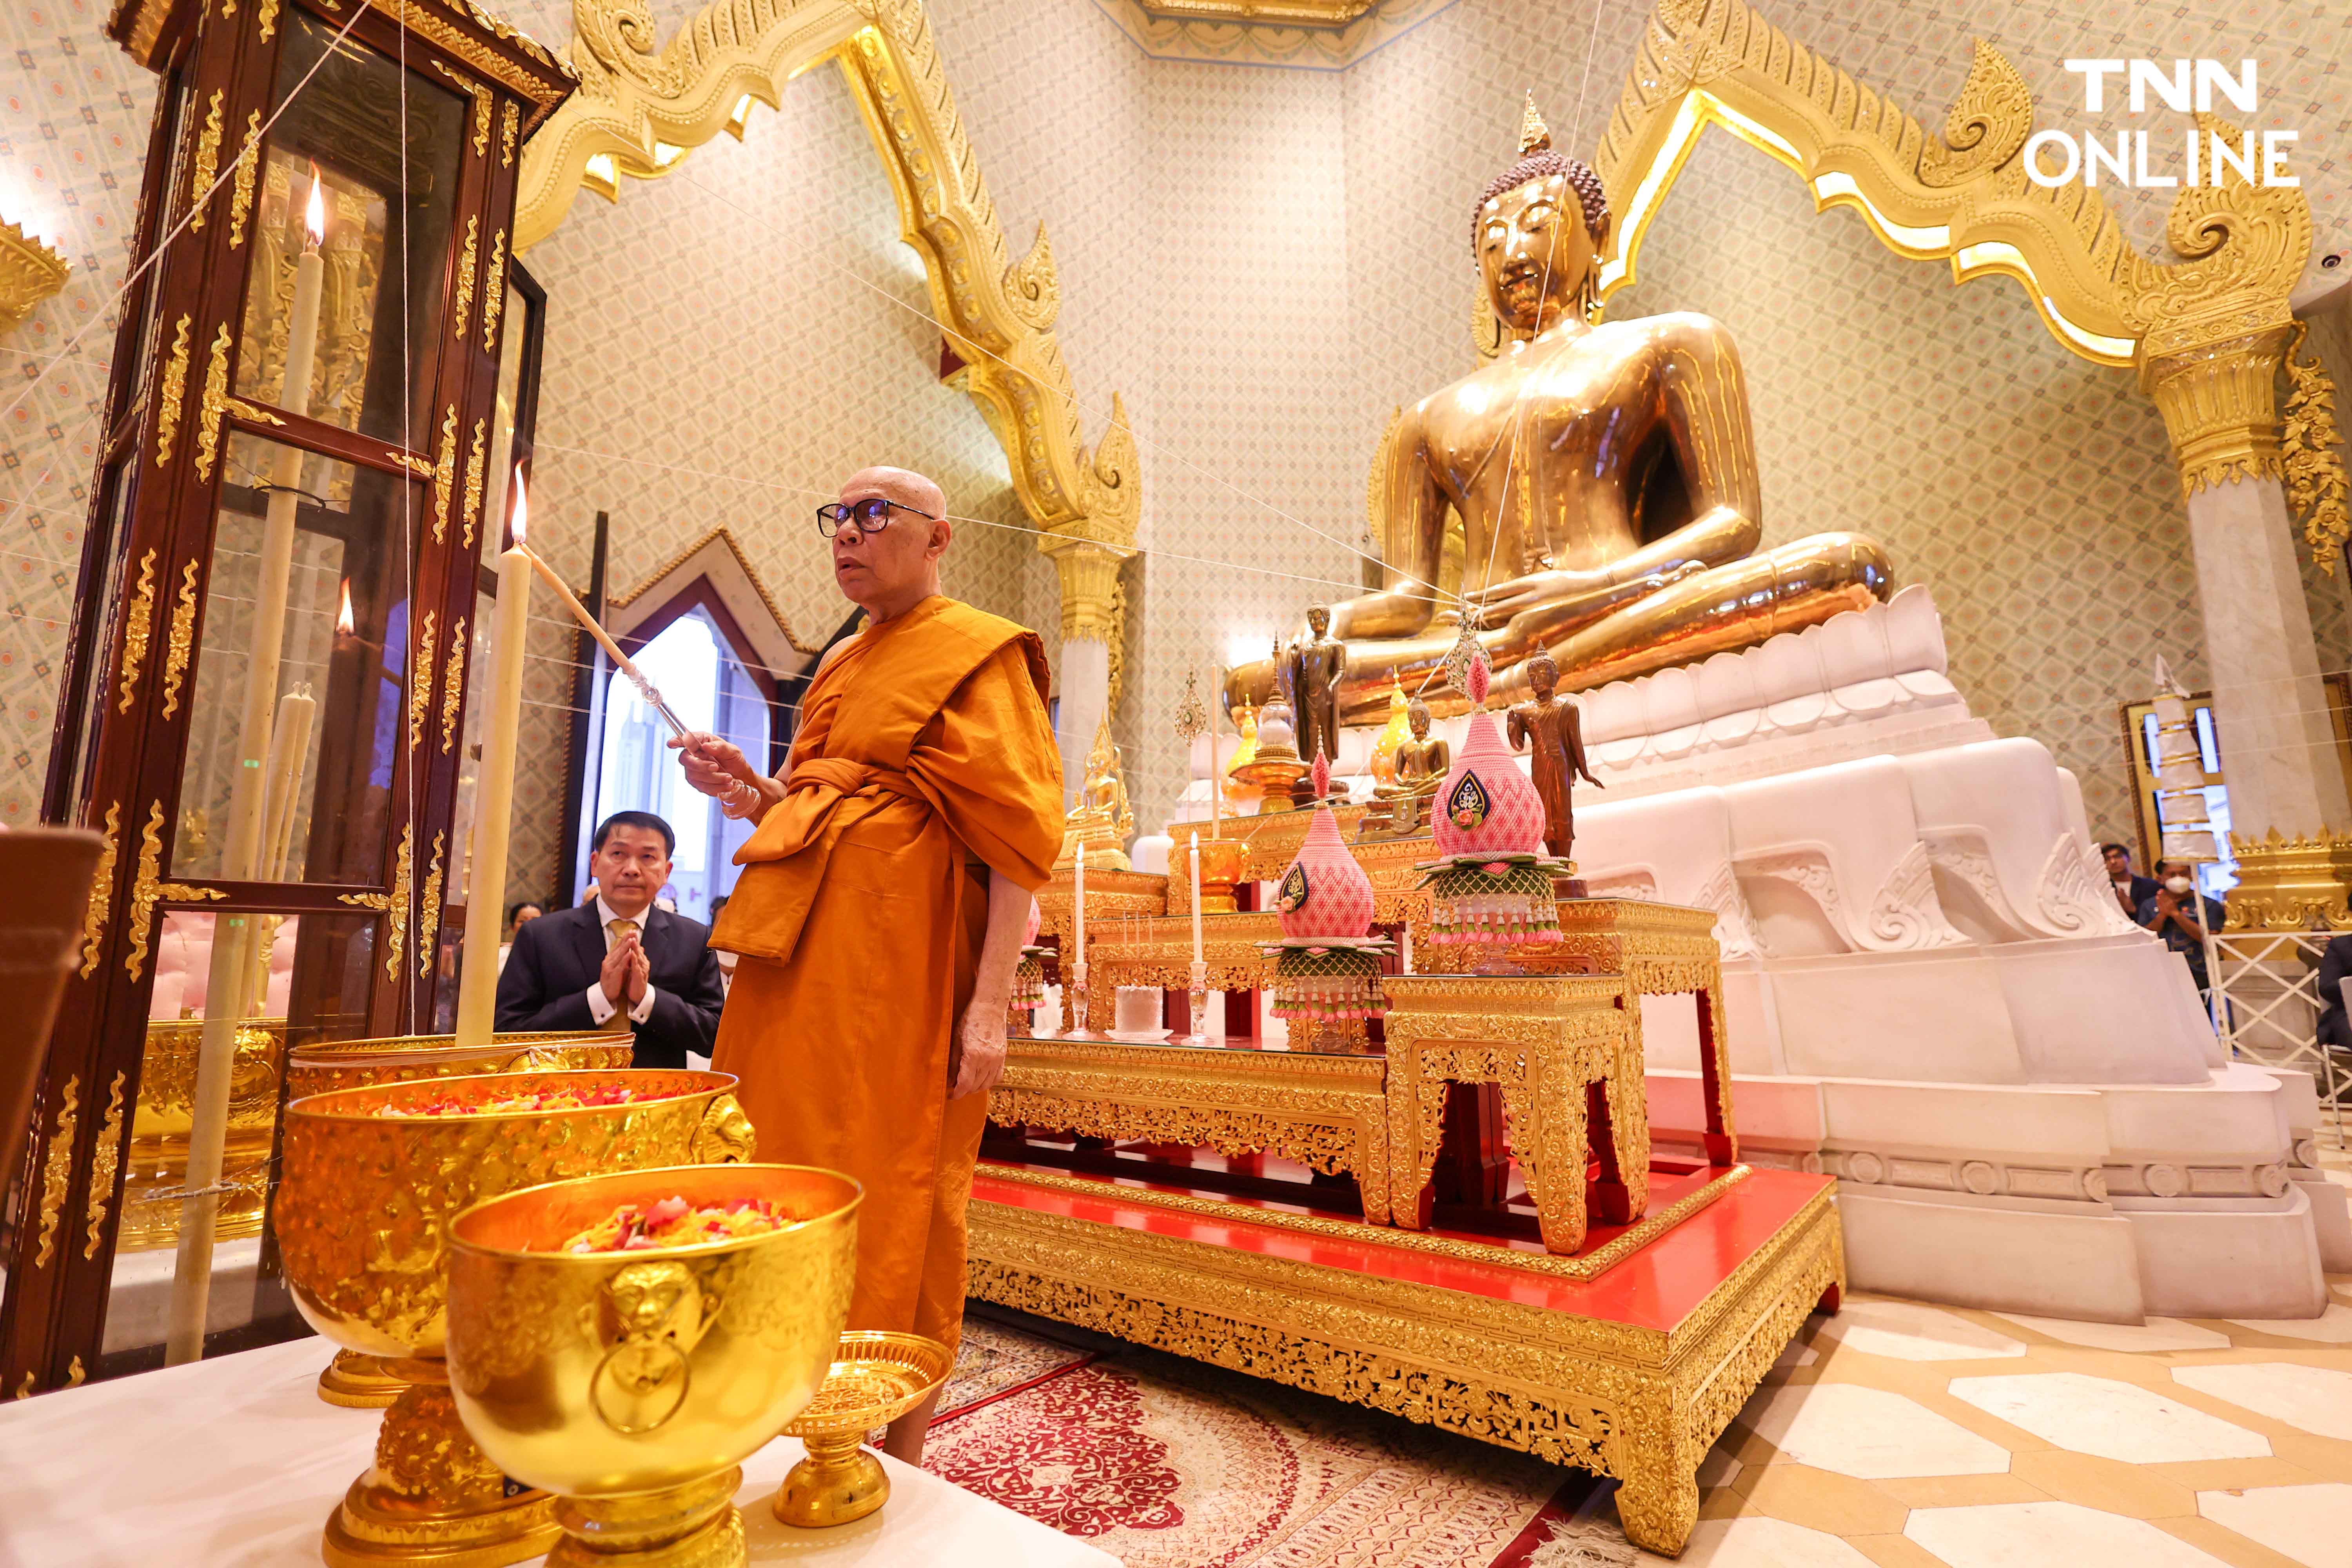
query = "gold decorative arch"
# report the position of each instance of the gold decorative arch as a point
(642, 109)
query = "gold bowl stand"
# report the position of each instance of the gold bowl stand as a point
(361, 1215)
(353, 1380)
(633, 1384)
(876, 1377)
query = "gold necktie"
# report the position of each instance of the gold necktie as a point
(619, 1023)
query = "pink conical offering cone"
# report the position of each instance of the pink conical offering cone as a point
(1325, 894)
(1487, 805)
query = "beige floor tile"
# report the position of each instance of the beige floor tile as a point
(2041, 1534)
(2109, 1485)
(1756, 1543)
(2103, 1416)
(1719, 1469)
(2312, 1525)
(1955, 1491)
(2156, 1335)
(2332, 1327)
(2317, 1399)
(1906, 1330)
(1870, 1433)
(2221, 1475)
(1821, 1499)
(1895, 1551)
(2223, 1543)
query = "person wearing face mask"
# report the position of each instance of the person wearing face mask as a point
(2181, 916)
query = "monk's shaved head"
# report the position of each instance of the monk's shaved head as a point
(890, 568)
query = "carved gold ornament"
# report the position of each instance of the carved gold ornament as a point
(266, 19)
(643, 107)
(466, 260)
(57, 1171)
(216, 401)
(445, 474)
(392, 905)
(178, 644)
(30, 272)
(172, 389)
(474, 467)
(240, 205)
(509, 122)
(138, 628)
(452, 686)
(102, 891)
(429, 916)
(147, 891)
(2312, 452)
(103, 1164)
(204, 167)
(494, 290)
(421, 663)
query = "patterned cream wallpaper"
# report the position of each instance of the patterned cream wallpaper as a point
(1264, 262)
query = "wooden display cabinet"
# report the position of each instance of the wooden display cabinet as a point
(262, 703)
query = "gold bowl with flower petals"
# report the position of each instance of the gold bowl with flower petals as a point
(633, 1384)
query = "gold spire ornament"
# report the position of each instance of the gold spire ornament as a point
(1535, 136)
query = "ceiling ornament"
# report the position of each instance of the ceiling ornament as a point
(642, 109)
(1304, 34)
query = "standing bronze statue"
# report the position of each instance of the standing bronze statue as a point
(1605, 476)
(1318, 661)
(1549, 728)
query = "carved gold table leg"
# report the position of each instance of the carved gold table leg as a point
(1657, 1500)
(1547, 1110)
(432, 1497)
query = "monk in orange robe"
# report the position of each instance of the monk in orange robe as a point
(880, 911)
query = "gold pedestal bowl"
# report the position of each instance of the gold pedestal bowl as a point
(876, 1377)
(160, 1124)
(633, 1384)
(358, 1382)
(362, 1206)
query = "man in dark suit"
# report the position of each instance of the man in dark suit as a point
(2334, 966)
(2132, 889)
(617, 961)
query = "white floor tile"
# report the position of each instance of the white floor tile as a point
(1870, 1434)
(2156, 1335)
(2317, 1399)
(2113, 1420)
(1909, 1332)
(2332, 1327)
(2040, 1534)
(1754, 1542)
(2310, 1524)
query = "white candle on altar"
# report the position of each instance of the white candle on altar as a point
(226, 987)
(1079, 902)
(478, 982)
(1407, 947)
(1196, 897)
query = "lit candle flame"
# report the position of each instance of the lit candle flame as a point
(522, 511)
(344, 625)
(314, 214)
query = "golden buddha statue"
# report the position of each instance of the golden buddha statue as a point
(1102, 819)
(1392, 735)
(1605, 473)
(1238, 790)
(1420, 767)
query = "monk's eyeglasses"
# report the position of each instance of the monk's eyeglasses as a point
(871, 515)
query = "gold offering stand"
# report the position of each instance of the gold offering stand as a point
(158, 1174)
(878, 1376)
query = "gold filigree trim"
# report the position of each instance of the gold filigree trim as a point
(474, 467)
(392, 905)
(421, 665)
(724, 536)
(57, 1171)
(178, 646)
(452, 686)
(445, 474)
(508, 120)
(148, 889)
(102, 891)
(103, 1164)
(428, 918)
(494, 290)
(266, 19)
(174, 386)
(240, 207)
(2312, 451)
(467, 260)
(74, 1372)
(208, 413)
(204, 167)
(412, 462)
(138, 630)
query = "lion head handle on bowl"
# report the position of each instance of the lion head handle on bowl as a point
(653, 1314)
(725, 1137)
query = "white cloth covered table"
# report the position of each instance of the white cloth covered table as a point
(237, 1461)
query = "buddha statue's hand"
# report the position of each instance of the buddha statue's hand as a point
(1398, 612)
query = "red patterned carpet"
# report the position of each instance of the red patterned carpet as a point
(1168, 1463)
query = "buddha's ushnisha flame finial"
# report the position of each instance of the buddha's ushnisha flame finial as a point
(1535, 136)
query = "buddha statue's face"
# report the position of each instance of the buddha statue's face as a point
(1535, 253)
(1418, 717)
(1319, 621)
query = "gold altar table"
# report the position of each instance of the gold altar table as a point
(1570, 1069)
(1111, 896)
(1157, 950)
(1328, 1112)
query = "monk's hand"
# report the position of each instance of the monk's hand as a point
(980, 1049)
(712, 765)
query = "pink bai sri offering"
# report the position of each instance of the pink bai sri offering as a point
(1487, 805)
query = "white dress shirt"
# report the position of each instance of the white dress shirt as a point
(601, 1006)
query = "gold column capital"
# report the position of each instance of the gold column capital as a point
(2220, 403)
(1089, 570)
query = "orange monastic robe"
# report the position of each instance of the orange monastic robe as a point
(924, 759)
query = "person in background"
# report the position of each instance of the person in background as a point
(516, 917)
(2335, 964)
(619, 963)
(2181, 916)
(2132, 889)
(725, 959)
